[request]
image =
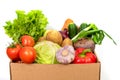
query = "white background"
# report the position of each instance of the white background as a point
(104, 13)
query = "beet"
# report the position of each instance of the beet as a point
(85, 43)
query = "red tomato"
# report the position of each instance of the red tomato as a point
(27, 54)
(13, 52)
(27, 40)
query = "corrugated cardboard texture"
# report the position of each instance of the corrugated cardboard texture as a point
(21, 71)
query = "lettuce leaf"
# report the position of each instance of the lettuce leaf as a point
(33, 23)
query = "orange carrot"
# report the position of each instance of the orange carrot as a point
(66, 23)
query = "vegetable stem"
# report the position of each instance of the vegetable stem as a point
(94, 33)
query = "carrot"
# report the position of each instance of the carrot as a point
(66, 23)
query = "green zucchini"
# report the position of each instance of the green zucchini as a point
(72, 29)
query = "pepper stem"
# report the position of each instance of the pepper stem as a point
(83, 54)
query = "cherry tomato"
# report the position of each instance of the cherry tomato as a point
(27, 54)
(27, 40)
(13, 52)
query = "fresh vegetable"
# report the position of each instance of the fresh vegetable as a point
(54, 36)
(72, 29)
(84, 56)
(41, 39)
(83, 26)
(65, 55)
(66, 41)
(46, 51)
(87, 43)
(66, 23)
(64, 33)
(13, 52)
(27, 40)
(33, 24)
(45, 33)
(27, 54)
(94, 33)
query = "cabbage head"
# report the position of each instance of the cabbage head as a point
(46, 51)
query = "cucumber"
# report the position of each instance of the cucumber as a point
(72, 29)
(83, 26)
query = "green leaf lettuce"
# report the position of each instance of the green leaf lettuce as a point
(32, 23)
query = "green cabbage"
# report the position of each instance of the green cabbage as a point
(46, 51)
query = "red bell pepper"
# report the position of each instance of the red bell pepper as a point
(83, 55)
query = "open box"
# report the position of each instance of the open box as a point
(22, 71)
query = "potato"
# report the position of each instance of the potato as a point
(54, 36)
(66, 41)
(41, 39)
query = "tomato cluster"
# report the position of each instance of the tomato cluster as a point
(24, 51)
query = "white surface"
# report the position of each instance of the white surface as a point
(104, 13)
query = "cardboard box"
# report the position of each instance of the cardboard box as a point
(22, 71)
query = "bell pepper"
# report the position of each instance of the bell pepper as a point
(83, 55)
